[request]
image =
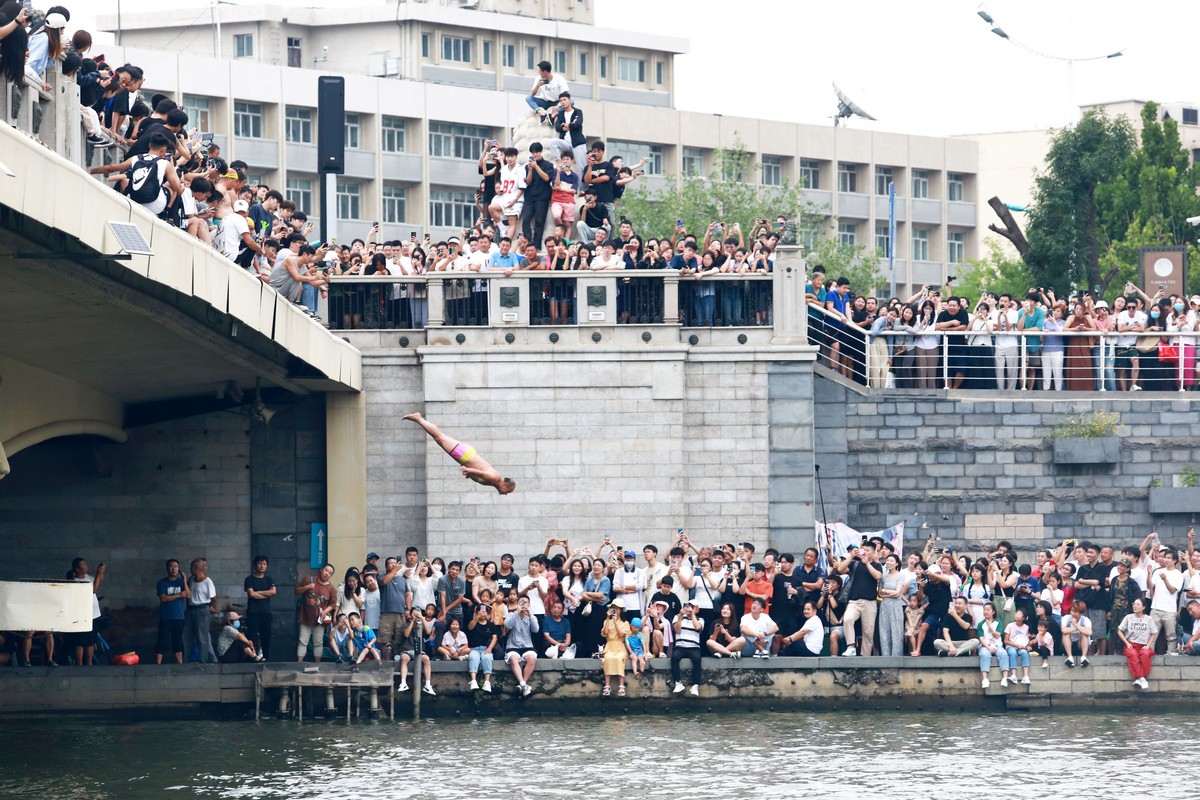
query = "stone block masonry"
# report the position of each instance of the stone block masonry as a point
(632, 445)
(981, 469)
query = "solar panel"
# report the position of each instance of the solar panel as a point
(130, 237)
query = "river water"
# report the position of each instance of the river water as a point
(891, 755)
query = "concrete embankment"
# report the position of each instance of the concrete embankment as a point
(574, 687)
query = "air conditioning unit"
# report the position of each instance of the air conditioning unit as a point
(377, 64)
(468, 3)
(393, 67)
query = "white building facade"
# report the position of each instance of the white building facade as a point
(426, 83)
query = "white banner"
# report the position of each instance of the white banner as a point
(58, 606)
(839, 536)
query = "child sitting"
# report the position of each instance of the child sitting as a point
(340, 640)
(636, 647)
(363, 640)
(1044, 642)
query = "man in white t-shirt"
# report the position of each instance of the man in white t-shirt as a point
(534, 586)
(1129, 322)
(1165, 583)
(1002, 320)
(627, 583)
(759, 629)
(234, 237)
(510, 188)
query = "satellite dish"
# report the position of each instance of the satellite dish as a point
(847, 108)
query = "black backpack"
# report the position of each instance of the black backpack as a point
(143, 184)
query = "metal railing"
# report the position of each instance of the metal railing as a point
(545, 297)
(1023, 360)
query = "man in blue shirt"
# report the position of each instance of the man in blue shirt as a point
(556, 633)
(172, 594)
(838, 302)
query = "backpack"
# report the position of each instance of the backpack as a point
(144, 185)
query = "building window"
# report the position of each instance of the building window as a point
(883, 176)
(300, 192)
(956, 248)
(693, 161)
(395, 203)
(604, 67)
(631, 69)
(560, 61)
(920, 244)
(883, 240)
(658, 73)
(424, 45)
(247, 120)
(955, 186)
(634, 152)
(810, 174)
(197, 109)
(293, 52)
(243, 45)
(349, 200)
(508, 56)
(393, 135)
(1189, 116)
(530, 58)
(353, 132)
(487, 53)
(810, 234)
(920, 184)
(772, 171)
(847, 234)
(731, 170)
(298, 125)
(847, 177)
(583, 65)
(451, 209)
(456, 48)
(450, 140)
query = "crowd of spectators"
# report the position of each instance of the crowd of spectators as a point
(938, 339)
(625, 606)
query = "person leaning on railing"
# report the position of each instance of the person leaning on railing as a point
(1185, 318)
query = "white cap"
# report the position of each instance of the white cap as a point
(56, 20)
(241, 205)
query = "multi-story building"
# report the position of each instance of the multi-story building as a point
(426, 83)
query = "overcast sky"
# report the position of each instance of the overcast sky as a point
(918, 66)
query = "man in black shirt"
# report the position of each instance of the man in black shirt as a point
(808, 578)
(1091, 581)
(954, 318)
(863, 571)
(481, 638)
(958, 631)
(785, 592)
(175, 122)
(259, 591)
(539, 183)
(937, 596)
(601, 176)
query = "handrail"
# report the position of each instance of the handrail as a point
(1113, 359)
(494, 274)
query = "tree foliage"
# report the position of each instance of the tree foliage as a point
(728, 194)
(1064, 232)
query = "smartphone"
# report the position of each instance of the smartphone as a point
(412, 235)
(678, 223)
(376, 224)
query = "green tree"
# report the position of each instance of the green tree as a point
(997, 273)
(727, 194)
(1064, 231)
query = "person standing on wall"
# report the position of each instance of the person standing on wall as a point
(259, 591)
(864, 572)
(202, 607)
(173, 597)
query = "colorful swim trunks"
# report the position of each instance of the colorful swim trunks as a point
(462, 453)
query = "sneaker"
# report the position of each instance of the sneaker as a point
(1137, 683)
(678, 688)
(1135, 388)
(403, 687)
(474, 685)
(718, 655)
(1145, 683)
(428, 689)
(985, 683)
(1084, 662)
(1025, 681)
(487, 685)
(1004, 682)
(761, 654)
(736, 654)
(1174, 653)
(1045, 665)
(396, 658)
(695, 690)
(850, 652)
(98, 142)
(526, 689)
(1070, 662)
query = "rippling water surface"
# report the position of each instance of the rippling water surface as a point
(890, 755)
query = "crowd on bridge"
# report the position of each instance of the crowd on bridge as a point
(624, 606)
(942, 339)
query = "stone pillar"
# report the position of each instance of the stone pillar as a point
(671, 299)
(436, 291)
(790, 489)
(346, 476)
(791, 313)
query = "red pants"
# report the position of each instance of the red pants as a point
(1138, 656)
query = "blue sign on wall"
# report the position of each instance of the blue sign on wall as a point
(318, 545)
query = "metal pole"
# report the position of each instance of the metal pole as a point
(216, 21)
(945, 361)
(1103, 363)
(892, 234)
(418, 669)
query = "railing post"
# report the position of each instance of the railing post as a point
(1180, 349)
(1021, 357)
(437, 303)
(945, 361)
(790, 312)
(671, 298)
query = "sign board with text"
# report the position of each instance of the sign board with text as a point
(1163, 268)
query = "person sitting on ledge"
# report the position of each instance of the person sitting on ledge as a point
(474, 466)
(232, 645)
